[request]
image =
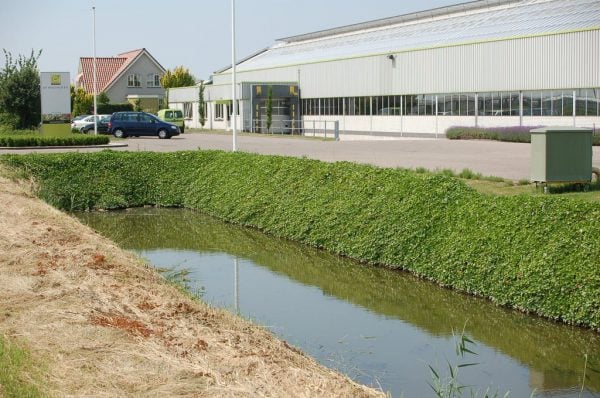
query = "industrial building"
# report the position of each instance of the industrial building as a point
(482, 63)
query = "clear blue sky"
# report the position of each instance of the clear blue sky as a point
(192, 33)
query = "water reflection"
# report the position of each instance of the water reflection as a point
(371, 323)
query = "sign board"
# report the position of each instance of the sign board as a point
(56, 101)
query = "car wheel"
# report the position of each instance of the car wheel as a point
(162, 134)
(118, 133)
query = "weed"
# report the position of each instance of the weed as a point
(449, 385)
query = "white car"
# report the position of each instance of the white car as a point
(78, 124)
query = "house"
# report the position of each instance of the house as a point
(133, 76)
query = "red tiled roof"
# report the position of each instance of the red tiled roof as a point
(107, 70)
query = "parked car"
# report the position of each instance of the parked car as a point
(79, 117)
(78, 124)
(174, 116)
(102, 126)
(123, 124)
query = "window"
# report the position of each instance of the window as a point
(218, 112)
(153, 80)
(587, 102)
(187, 110)
(133, 80)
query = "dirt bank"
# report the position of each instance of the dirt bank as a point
(104, 324)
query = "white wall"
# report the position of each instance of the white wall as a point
(560, 61)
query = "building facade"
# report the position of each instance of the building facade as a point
(484, 63)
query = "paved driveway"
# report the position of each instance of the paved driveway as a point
(508, 160)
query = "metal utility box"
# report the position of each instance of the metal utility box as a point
(561, 154)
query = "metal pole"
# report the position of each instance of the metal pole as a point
(233, 82)
(95, 78)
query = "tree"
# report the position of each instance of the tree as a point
(103, 98)
(180, 77)
(82, 102)
(137, 105)
(201, 105)
(269, 108)
(20, 98)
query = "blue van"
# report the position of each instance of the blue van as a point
(124, 124)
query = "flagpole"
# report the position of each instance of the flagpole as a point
(233, 77)
(95, 78)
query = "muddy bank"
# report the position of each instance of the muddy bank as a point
(104, 324)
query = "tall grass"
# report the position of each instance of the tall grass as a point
(16, 369)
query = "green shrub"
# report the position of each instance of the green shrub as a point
(108, 109)
(30, 140)
(508, 134)
(539, 254)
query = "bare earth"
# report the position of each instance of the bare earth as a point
(106, 325)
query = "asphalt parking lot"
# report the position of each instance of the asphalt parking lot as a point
(490, 158)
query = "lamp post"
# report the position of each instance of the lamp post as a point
(95, 78)
(233, 82)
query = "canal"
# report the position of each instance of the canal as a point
(382, 328)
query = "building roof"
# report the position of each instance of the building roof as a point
(108, 69)
(476, 21)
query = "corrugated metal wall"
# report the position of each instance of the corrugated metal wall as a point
(569, 60)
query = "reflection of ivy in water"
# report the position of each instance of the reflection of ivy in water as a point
(555, 350)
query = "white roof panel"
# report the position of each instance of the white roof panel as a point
(514, 19)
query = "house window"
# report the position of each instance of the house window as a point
(218, 112)
(153, 80)
(133, 80)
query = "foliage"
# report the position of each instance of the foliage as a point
(137, 105)
(103, 99)
(539, 254)
(201, 105)
(20, 98)
(179, 77)
(82, 102)
(108, 109)
(509, 134)
(15, 377)
(269, 108)
(27, 140)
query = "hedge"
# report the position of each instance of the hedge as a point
(109, 109)
(509, 134)
(41, 140)
(539, 254)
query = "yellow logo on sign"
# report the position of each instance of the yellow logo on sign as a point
(55, 80)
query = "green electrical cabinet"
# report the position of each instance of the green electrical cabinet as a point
(561, 154)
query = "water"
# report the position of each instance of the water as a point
(380, 327)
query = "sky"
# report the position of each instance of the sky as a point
(192, 33)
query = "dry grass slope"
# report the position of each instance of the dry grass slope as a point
(107, 325)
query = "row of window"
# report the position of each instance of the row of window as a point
(581, 102)
(135, 80)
